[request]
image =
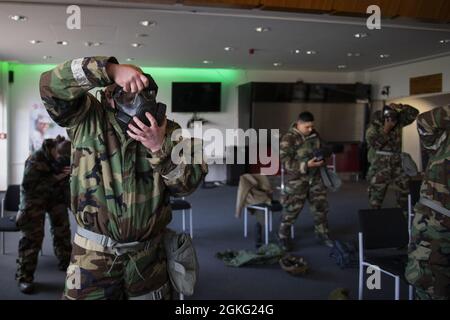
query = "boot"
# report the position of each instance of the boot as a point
(285, 243)
(325, 240)
(26, 287)
(258, 235)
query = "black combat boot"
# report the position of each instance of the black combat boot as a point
(258, 235)
(26, 287)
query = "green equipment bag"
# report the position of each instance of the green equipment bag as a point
(408, 164)
(182, 263)
(330, 179)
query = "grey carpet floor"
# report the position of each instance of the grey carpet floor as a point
(216, 229)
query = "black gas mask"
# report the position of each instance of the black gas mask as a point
(60, 163)
(390, 113)
(321, 153)
(131, 105)
(327, 151)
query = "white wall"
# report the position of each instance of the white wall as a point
(24, 92)
(398, 77)
(3, 125)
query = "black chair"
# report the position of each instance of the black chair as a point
(383, 229)
(10, 206)
(274, 206)
(183, 205)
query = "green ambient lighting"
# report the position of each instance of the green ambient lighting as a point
(171, 74)
(24, 68)
(193, 74)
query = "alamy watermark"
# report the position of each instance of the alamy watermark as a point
(374, 20)
(373, 281)
(209, 146)
(73, 280)
(73, 21)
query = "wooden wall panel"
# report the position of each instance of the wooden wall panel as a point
(444, 15)
(246, 4)
(389, 8)
(298, 5)
(428, 10)
(426, 84)
(424, 9)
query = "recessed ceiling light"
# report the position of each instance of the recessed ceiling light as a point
(277, 64)
(228, 48)
(136, 45)
(311, 52)
(47, 57)
(384, 56)
(296, 51)
(207, 61)
(62, 43)
(18, 18)
(361, 35)
(35, 41)
(342, 66)
(444, 41)
(130, 59)
(147, 23)
(262, 29)
(353, 54)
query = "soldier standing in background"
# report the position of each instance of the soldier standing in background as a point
(428, 266)
(297, 148)
(384, 139)
(44, 189)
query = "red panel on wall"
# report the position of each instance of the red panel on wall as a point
(349, 160)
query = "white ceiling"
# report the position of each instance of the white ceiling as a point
(185, 36)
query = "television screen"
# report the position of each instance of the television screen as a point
(196, 96)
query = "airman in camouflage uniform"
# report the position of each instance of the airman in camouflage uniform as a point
(44, 189)
(428, 266)
(120, 188)
(384, 139)
(304, 180)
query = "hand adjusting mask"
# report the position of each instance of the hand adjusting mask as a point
(130, 104)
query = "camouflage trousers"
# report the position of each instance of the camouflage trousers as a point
(428, 268)
(293, 201)
(31, 222)
(95, 273)
(382, 173)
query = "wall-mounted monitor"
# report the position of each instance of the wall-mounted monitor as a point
(196, 96)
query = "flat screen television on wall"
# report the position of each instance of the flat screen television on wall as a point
(196, 96)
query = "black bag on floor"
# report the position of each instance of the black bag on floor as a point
(344, 254)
